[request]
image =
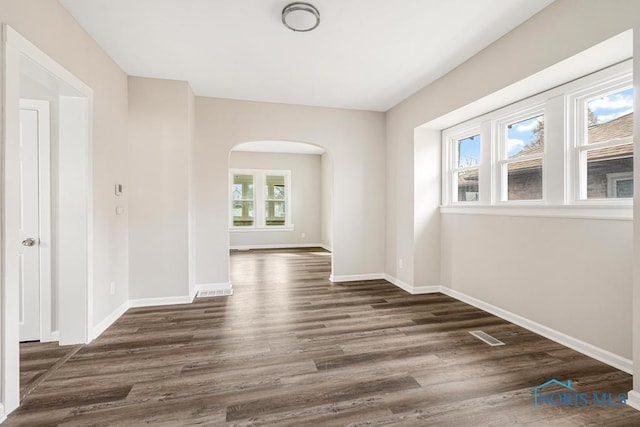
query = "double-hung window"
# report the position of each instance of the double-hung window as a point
(603, 149)
(521, 160)
(465, 166)
(260, 199)
(569, 146)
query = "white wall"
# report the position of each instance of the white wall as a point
(159, 144)
(562, 30)
(48, 25)
(306, 205)
(326, 226)
(355, 140)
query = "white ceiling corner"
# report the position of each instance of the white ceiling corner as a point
(366, 54)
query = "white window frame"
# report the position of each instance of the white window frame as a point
(260, 198)
(450, 184)
(560, 159)
(611, 81)
(503, 161)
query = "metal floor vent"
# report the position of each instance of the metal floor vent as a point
(481, 335)
(216, 293)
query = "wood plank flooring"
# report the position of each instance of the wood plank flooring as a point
(291, 348)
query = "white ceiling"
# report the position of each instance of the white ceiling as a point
(366, 54)
(279, 147)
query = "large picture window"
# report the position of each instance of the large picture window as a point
(260, 199)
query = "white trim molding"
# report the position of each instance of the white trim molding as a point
(356, 277)
(326, 247)
(150, 302)
(214, 289)
(55, 335)
(614, 212)
(633, 399)
(413, 290)
(585, 348)
(3, 416)
(98, 329)
(276, 246)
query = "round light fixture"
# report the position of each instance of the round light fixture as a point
(301, 17)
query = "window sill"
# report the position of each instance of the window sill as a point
(260, 229)
(608, 212)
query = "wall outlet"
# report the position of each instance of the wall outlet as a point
(303, 235)
(112, 288)
(400, 263)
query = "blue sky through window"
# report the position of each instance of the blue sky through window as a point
(469, 151)
(522, 134)
(611, 106)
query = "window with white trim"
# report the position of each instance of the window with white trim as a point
(260, 199)
(603, 150)
(465, 172)
(521, 156)
(569, 146)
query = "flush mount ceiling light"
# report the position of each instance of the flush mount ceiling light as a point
(301, 17)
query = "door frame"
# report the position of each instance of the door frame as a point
(45, 246)
(74, 201)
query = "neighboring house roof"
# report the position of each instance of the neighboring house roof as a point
(618, 128)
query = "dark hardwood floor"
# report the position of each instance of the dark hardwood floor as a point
(291, 348)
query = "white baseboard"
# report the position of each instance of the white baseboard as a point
(585, 348)
(55, 336)
(3, 416)
(149, 302)
(326, 247)
(214, 289)
(193, 293)
(590, 350)
(414, 290)
(109, 320)
(633, 399)
(276, 246)
(356, 277)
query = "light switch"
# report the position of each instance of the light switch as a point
(118, 189)
(119, 210)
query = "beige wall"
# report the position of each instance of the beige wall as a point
(563, 29)
(306, 205)
(573, 275)
(636, 211)
(326, 228)
(355, 140)
(47, 25)
(159, 141)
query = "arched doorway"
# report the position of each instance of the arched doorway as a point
(280, 195)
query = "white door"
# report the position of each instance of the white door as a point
(27, 246)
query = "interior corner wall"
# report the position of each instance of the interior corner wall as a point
(159, 144)
(306, 205)
(355, 140)
(326, 196)
(426, 219)
(636, 207)
(191, 117)
(46, 24)
(563, 29)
